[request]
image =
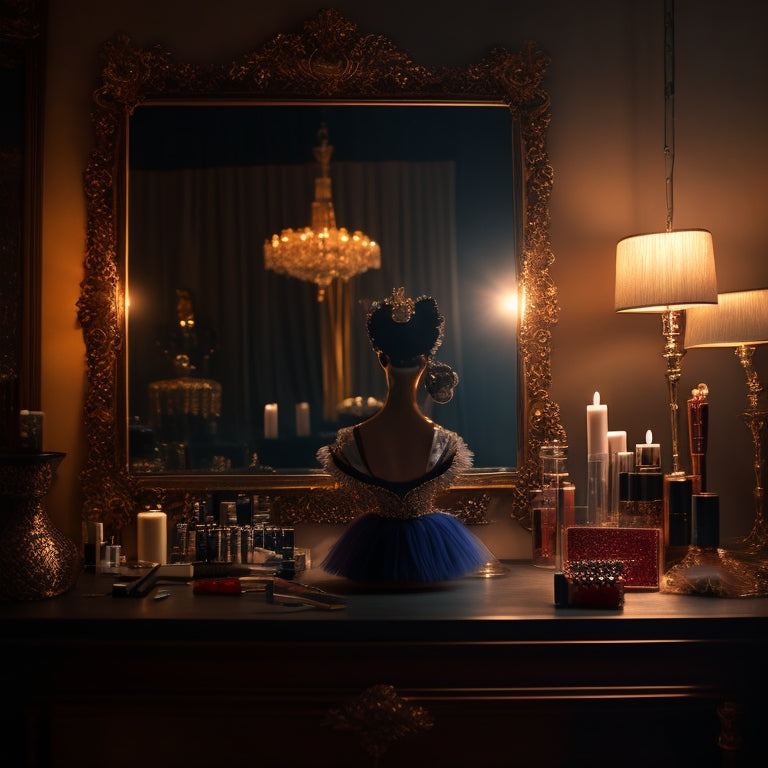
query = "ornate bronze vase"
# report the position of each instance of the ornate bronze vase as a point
(36, 559)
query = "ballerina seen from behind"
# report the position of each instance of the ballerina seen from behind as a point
(395, 463)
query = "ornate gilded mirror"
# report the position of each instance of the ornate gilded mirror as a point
(328, 74)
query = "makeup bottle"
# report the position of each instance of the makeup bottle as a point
(650, 499)
(620, 462)
(627, 492)
(679, 487)
(557, 493)
(643, 489)
(678, 491)
(544, 527)
(553, 506)
(93, 544)
(698, 428)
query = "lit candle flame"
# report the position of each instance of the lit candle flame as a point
(596, 399)
(648, 437)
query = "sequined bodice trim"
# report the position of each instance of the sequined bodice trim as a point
(405, 500)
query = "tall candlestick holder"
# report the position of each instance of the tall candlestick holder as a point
(673, 326)
(756, 420)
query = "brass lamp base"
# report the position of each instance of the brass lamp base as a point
(712, 571)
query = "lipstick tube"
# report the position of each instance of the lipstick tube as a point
(698, 430)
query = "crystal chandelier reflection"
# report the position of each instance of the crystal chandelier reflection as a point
(322, 252)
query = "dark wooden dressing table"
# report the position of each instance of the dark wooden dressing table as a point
(494, 673)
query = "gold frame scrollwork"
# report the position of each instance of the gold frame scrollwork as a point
(329, 58)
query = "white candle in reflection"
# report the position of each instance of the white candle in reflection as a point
(270, 421)
(302, 419)
(152, 536)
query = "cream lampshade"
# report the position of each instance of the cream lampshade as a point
(665, 271)
(739, 318)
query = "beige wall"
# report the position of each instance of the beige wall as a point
(606, 144)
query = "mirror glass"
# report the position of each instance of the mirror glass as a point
(194, 166)
(215, 338)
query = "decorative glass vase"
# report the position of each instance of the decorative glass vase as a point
(37, 560)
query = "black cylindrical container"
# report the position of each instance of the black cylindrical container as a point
(705, 529)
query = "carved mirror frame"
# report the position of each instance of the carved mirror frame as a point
(329, 60)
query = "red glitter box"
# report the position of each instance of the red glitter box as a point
(638, 548)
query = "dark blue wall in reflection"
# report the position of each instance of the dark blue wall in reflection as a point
(480, 143)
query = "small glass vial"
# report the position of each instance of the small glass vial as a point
(543, 531)
(544, 528)
(553, 509)
(621, 464)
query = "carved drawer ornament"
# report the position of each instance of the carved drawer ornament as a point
(380, 717)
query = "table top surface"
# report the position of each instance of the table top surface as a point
(517, 605)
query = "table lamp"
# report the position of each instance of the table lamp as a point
(740, 320)
(667, 273)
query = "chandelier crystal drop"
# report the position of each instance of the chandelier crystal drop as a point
(322, 252)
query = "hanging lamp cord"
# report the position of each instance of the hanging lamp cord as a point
(669, 106)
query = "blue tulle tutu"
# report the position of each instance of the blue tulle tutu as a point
(400, 537)
(431, 548)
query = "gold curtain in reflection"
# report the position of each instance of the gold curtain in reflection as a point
(335, 320)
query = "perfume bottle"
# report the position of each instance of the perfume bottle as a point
(558, 495)
(698, 430)
(649, 484)
(620, 463)
(678, 497)
(544, 527)
(650, 499)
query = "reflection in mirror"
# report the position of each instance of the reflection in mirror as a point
(214, 338)
(328, 62)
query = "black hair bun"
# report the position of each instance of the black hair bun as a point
(440, 381)
(404, 341)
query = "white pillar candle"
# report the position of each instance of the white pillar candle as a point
(270, 421)
(597, 427)
(152, 536)
(648, 454)
(302, 419)
(617, 441)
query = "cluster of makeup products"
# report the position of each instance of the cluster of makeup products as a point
(637, 520)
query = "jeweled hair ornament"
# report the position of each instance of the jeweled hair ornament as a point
(402, 306)
(403, 328)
